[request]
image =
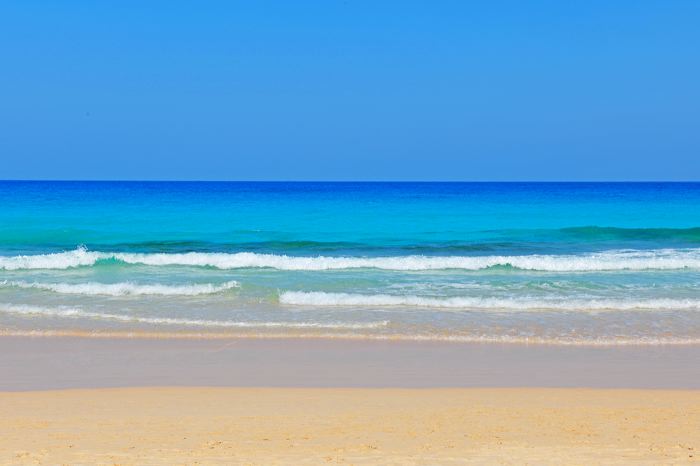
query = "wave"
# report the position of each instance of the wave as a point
(125, 288)
(659, 259)
(59, 260)
(301, 298)
(67, 312)
(183, 246)
(641, 234)
(510, 239)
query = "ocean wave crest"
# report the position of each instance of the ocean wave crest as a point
(125, 288)
(659, 259)
(59, 260)
(316, 298)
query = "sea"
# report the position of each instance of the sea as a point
(520, 263)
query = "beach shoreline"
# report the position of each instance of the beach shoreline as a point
(46, 363)
(68, 400)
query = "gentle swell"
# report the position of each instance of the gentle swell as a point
(300, 298)
(660, 259)
(79, 313)
(125, 288)
(643, 234)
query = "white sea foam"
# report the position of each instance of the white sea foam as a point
(301, 298)
(660, 259)
(60, 260)
(79, 313)
(125, 288)
(637, 260)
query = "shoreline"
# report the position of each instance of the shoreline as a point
(456, 339)
(67, 400)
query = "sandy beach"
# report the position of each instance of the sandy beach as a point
(139, 402)
(141, 426)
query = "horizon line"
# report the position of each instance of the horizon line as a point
(99, 180)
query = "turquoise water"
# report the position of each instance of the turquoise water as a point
(591, 263)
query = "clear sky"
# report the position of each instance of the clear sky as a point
(350, 90)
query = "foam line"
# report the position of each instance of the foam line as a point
(125, 288)
(660, 259)
(301, 298)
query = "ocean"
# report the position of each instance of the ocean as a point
(535, 263)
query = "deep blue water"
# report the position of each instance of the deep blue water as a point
(354, 218)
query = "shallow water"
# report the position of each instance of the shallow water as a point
(592, 263)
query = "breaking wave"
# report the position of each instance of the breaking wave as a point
(660, 259)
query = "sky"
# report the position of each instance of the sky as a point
(350, 90)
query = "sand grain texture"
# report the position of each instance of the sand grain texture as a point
(169, 426)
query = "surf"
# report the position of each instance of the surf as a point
(616, 260)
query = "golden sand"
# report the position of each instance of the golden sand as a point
(169, 426)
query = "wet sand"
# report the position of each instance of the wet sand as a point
(44, 363)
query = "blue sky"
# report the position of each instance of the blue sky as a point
(492, 90)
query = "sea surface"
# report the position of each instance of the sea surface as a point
(547, 263)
